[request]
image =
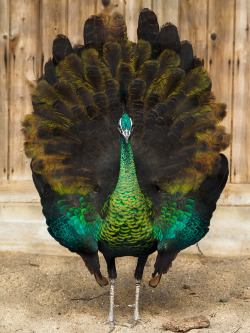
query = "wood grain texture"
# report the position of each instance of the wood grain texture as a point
(166, 11)
(35, 23)
(220, 54)
(24, 191)
(99, 6)
(235, 195)
(147, 4)
(54, 21)
(132, 11)
(18, 191)
(23, 60)
(79, 12)
(241, 99)
(115, 5)
(193, 26)
(4, 79)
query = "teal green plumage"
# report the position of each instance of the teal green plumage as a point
(155, 185)
(129, 219)
(128, 225)
(74, 227)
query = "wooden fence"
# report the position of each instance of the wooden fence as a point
(218, 30)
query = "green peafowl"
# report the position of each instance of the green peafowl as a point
(125, 145)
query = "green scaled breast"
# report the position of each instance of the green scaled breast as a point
(128, 226)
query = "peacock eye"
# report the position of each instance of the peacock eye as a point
(132, 127)
(119, 128)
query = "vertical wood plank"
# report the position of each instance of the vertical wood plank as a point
(193, 26)
(166, 11)
(147, 4)
(220, 54)
(132, 11)
(54, 22)
(79, 11)
(23, 57)
(241, 98)
(4, 83)
(99, 6)
(118, 6)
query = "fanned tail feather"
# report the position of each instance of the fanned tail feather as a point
(85, 90)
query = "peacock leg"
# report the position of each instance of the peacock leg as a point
(112, 276)
(111, 318)
(138, 276)
(136, 320)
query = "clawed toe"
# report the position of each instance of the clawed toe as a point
(134, 322)
(113, 323)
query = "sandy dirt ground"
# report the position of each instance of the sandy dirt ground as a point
(56, 294)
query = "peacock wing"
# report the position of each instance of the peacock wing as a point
(72, 221)
(71, 218)
(185, 217)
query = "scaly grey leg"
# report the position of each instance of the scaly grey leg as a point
(111, 318)
(137, 294)
(136, 320)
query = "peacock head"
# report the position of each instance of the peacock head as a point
(125, 126)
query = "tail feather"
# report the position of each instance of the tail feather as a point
(112, 56)
(99, 29)
(186, 56)
(169, 38)
(66, 91)
(50, 73)
(61, 48)
(157, 81)
(71, 69)
(142, 53)
(148, 29)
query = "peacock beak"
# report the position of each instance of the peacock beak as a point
(126, 134)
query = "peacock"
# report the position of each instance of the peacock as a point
(125, 146)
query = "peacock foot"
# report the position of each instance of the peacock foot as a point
(113, 322)
(136, 321)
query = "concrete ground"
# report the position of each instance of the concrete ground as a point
(49, 294)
